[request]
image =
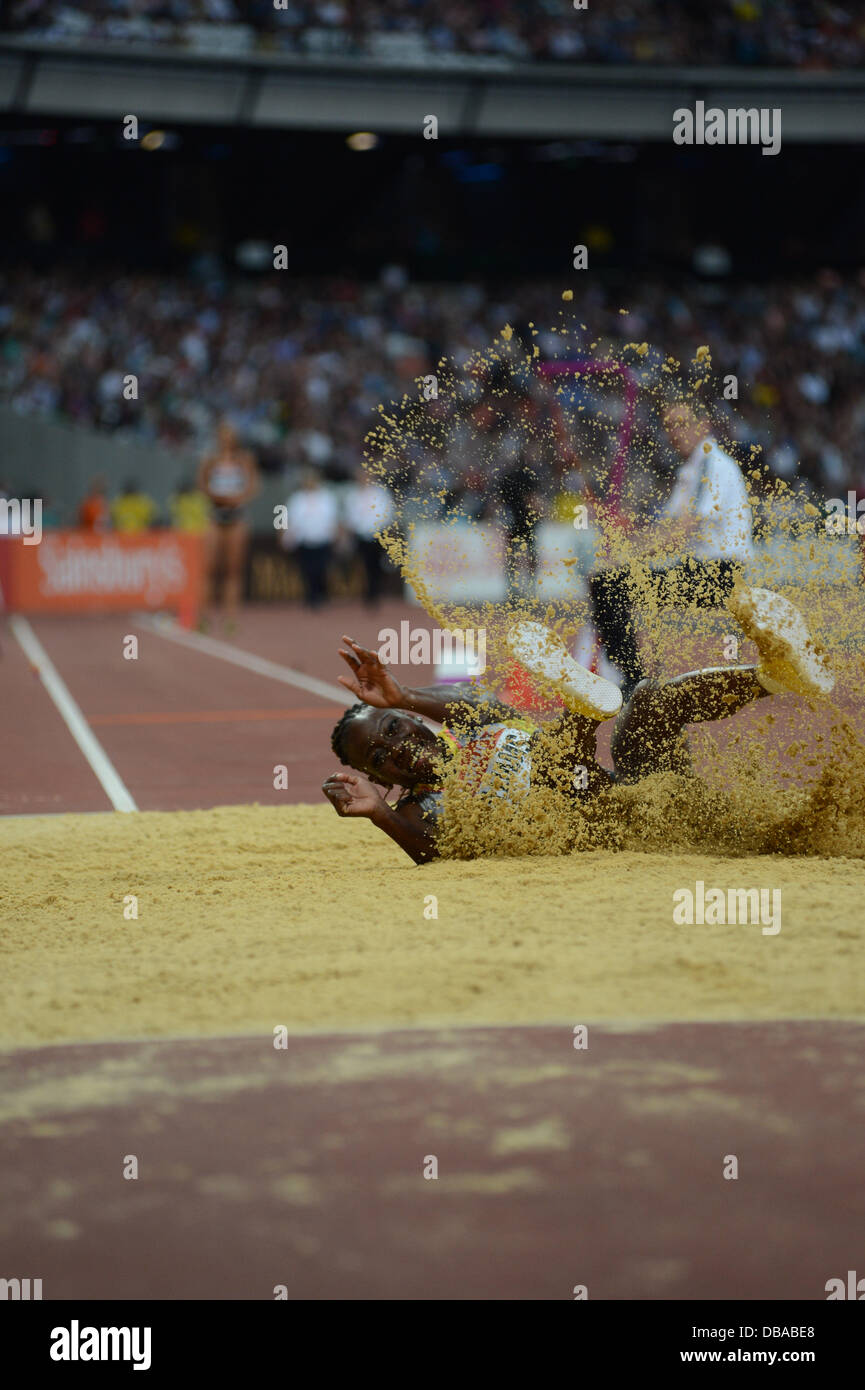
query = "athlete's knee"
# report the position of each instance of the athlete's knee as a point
(644, 692)
(651, 714)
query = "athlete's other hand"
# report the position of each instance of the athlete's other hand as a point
(352, 794)
(370, 679)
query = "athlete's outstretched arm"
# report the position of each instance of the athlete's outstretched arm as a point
(352, 794)
(371, 681)
(460, 702)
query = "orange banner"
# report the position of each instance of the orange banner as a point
(75, 572)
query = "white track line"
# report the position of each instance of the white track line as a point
(74, 720)
(211, 646)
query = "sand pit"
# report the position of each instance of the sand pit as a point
(250, 917)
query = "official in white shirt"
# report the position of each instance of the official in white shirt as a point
(368, 510)
(313, 522)
(711, 499)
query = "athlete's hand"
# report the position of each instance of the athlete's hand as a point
(352, 794)
(370, 679)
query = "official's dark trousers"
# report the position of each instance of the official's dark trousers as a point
(613, 596)
(313, 561)
(370, 553)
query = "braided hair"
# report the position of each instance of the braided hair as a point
(337, 738)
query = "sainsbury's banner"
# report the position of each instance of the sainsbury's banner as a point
(74, 572)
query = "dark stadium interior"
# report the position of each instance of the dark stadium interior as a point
(444, 208)
(721, 244)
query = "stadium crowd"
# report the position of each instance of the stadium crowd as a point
(783, 33)
(301, 367)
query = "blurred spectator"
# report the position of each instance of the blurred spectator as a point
(781, 33)
(368, 510)
(303, 364)
(313, 522)
(229, 478)
(94, 513)
(190, 508)
(133, 511)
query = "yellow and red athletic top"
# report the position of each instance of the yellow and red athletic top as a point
(494, 760)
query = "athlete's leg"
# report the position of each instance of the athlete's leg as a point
(563, 753)
(578, 731)
(211, 561)
(236, 540)
(221, 566)
(649, 735)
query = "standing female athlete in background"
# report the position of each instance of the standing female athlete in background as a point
(229, 477)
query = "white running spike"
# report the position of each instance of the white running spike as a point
(790, 660)
(545, 656)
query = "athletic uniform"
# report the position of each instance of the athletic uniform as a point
(494, 761)
(226, 481)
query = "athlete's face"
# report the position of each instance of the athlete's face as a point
(392, 748)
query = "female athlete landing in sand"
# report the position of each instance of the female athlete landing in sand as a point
(499, 753)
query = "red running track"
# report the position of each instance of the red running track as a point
(183, 729)
(304, 1167)
(186, 729)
